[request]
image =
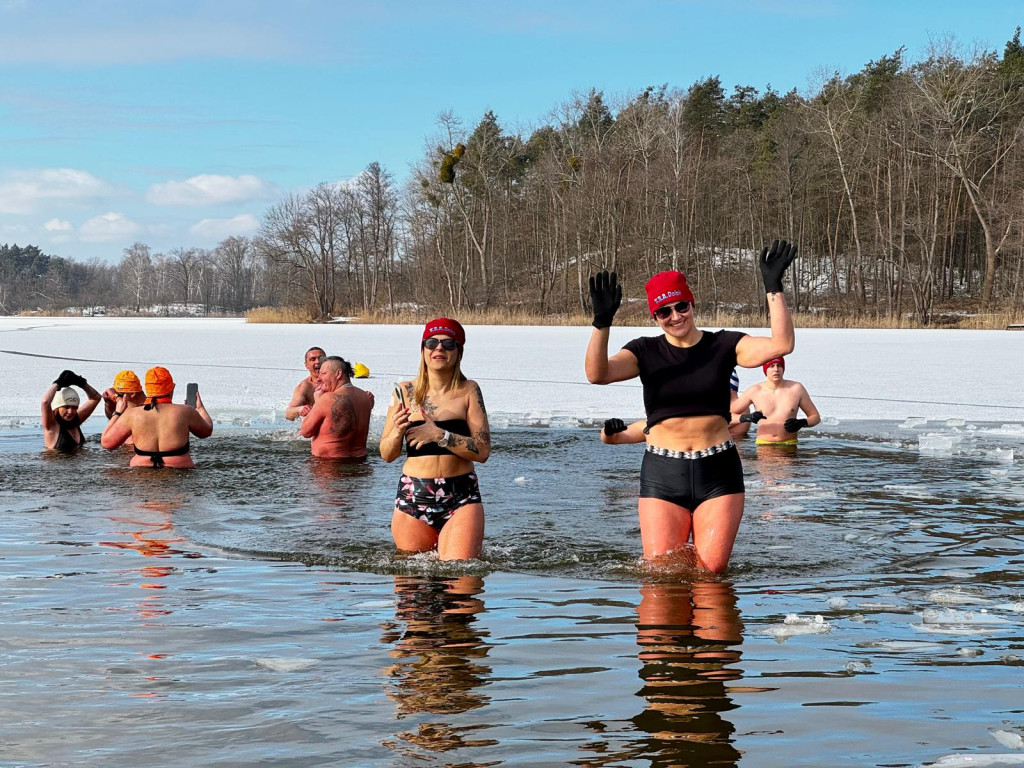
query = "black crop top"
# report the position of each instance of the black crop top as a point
(686, 381)
(458, 426)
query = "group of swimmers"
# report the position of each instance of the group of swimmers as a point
(691, 480)
(157, 429)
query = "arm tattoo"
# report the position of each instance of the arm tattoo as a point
(343, 415)
(484, 436)
(468, 442)
(480, 399)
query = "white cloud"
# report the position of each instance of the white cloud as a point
(22, 192)
(218, 229)
(108, 227)
(210, 189)
(61, 230)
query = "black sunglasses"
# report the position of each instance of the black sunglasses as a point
(665, 312)
(446, 344)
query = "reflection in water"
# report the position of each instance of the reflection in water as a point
(151, 537)
(688, 636)
(438, 650)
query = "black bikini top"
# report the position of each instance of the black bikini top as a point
(458, 426)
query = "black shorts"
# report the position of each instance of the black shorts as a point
(687, 482)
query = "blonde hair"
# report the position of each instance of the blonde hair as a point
(422, 383)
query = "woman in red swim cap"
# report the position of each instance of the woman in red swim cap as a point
(441, 418)
(691, 480)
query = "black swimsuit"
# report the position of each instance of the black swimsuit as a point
(456, 426)
(68, 434)
(157, 457)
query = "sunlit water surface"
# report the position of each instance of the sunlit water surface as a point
(254, 612)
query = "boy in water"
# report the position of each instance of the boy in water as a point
(776, 402)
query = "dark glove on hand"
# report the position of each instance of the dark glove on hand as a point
(753, 418)
(795, 425)
(773, 264)
(78, 381)
(66, 378)
(605, 296)
(614, 426)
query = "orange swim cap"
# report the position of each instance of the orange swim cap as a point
(159, 382)
(127, 383)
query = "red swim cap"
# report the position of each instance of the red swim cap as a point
(447, 327)
(667, 288)
(781, 361)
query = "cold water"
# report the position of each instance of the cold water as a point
(254, 612)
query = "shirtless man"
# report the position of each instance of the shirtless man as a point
(776, 402)
(307, 391)
(160, 429)
(339, 421)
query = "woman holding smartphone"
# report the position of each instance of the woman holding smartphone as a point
(441, 418)
(159, 429)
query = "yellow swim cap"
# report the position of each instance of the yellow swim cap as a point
(126, 383)
(360, 371)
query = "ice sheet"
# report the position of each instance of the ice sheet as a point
(531, 375)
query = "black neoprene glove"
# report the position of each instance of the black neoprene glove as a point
(78, 381)
(66, 378)
(795, 425)
(605, 296)
(614, 426)
(773, 264)
(753, 418)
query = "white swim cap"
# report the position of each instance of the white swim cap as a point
(65, 397)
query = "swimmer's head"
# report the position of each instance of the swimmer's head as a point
(159, 382)
(65, 398)
(127, 383)
(667, 288)
(445, 326)
(780, 361)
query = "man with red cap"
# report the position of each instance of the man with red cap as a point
(691, 479)
(776, 402)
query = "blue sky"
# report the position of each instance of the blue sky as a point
(179, 124)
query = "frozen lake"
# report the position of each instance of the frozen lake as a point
(248, 371)
(254, 611)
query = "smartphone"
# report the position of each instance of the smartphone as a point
(190, 394)
(400, 395)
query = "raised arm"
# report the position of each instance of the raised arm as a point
(606, 296)
(299, 405)
(118, 429)
(49, 420)
(85, 409)
(200, 423)
(752, 351)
